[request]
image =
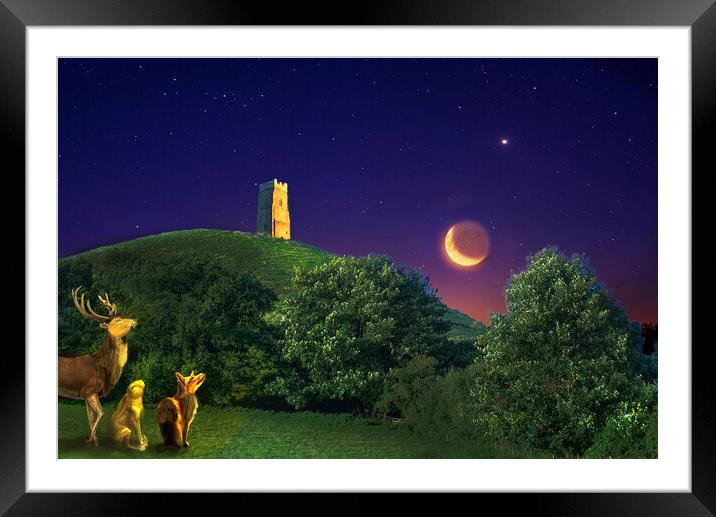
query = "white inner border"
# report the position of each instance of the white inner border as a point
(672, 471)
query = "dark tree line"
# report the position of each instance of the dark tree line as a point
(649, 331)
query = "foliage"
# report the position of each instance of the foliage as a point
(193, 313)
(432, 405)
(347, 322)
(563, 370)
(631, 431)
(455, 353)
(227, 337)
(156, 369)
(185, 290)
(554, 367)
(405, 386)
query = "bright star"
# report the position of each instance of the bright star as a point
(504, 141)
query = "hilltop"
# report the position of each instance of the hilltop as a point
(271, 260)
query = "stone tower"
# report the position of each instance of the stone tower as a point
(272, 215)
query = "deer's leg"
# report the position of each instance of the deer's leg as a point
(90, 417)
(93, 400)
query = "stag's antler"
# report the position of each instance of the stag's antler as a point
(111, 308)
(85, 309)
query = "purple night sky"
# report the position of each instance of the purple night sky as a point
(381, 156)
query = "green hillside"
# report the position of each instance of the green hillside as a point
(271, 260)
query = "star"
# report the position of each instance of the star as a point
(504, 141)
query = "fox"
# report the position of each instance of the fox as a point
(175, 414)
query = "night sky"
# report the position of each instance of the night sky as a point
(380, 155)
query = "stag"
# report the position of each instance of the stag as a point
(91, 376)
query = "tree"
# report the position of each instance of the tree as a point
(226, 335)
(556, 364)
(347, 322)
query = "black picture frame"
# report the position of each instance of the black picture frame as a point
(17, 15)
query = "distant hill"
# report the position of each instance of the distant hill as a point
(271, 260)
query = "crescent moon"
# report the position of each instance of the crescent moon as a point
(456, 255)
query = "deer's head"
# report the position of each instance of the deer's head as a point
(190, 383)
(115, 325)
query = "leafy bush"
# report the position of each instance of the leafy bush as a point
(630, 432)
(405, 386)
(431, 404)
(553, 368)
(156, 369)
(347, 322)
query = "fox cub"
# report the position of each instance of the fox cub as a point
(175, 414)
(125, 424)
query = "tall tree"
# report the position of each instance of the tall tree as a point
(349, 321)
(557, 362)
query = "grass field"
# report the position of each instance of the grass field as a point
(251, 433)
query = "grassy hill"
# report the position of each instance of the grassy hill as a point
(271, 260)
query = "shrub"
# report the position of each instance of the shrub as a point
(157, 371)
(630, 432)
(431, 404)
(404, 388)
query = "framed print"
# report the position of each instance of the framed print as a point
(414, 250)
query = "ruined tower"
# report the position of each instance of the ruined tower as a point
(272, 215)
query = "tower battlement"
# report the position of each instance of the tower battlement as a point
(272, 216)
(274, 184)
